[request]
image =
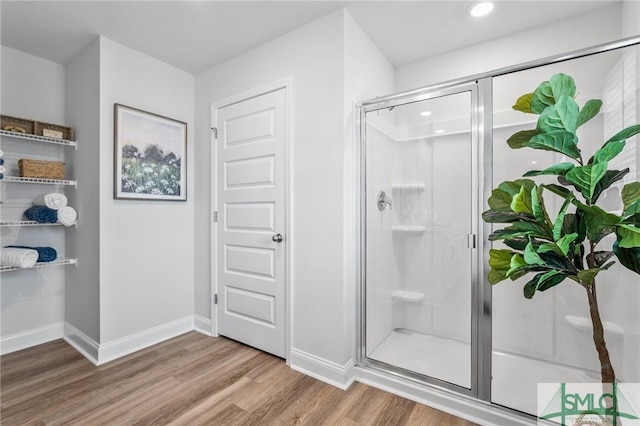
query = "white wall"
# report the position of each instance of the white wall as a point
(312, 56)
(323, 280)
(134, 283)
(146, 262)
(582, 31)
(83, 111)
(32, 301)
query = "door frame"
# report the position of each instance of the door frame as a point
(287, 85)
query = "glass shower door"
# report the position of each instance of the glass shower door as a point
(420, 218)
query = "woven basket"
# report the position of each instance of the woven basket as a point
(18, 125)
(41, 169)
(60, 132)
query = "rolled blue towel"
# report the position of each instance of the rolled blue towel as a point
(1, 161)
(41, 214)
(45, 254)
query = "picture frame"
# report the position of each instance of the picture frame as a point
(150, 156)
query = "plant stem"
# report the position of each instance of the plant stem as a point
(606, 369)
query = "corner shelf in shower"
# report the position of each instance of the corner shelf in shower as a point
(408, 186)
(408, 230)
(407, 296)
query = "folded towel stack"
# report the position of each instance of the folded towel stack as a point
(45, 254)
(67, 216)
(18, 257)
(3, 169)
(54, 201)
(41, 214)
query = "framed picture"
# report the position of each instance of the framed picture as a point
(150, 156)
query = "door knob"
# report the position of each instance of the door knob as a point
(277, 238)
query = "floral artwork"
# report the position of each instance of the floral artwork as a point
(150, 156)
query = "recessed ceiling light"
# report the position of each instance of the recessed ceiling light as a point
(425, 113)
(439, 131)
(481, 9)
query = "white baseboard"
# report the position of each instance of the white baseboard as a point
(33, 337)
(340, 376)
(82, 343)
(134, 342)
(202, 325)
(471, 409)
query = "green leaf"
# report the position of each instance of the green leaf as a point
(500, 200)
(496, 276)
(557, 169)
(630, 194)
(530, 287)
(600, 257)
(516, 262)
(531, 257)
(575, 223)
(538, 207)
(521, 202)
(550, 279)
(633, 209)
(518, 243)
(520, 139)
(597, 220)
(500, 262)
(607, 152)
(542, 97)
(520, 229)
(628, 236)
(559, 222)
(564, 243)
(524, 103)
(558, 141)
(543, 281)
(629, 257)
(562, 85)
(550, 247)
(624, 134)
(558, 190)
(554, 261)
(609, 178)
(495, 216)
(513, 187)
(585, 178)
(590, 109)
(588, 275)
(561, 116)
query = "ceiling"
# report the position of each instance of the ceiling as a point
(197, 35)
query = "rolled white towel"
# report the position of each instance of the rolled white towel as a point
(18, 257)
(1, 153)
(3, 169)
(54, 201)
(67, 216)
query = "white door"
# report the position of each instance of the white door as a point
(251, 240)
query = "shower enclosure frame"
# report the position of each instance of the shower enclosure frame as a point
(482, 143)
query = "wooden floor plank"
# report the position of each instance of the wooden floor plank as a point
(190, 380)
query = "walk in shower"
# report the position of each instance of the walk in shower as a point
(429, 159)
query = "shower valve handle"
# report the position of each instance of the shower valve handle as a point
(383, 201)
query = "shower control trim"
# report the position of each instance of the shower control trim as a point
(383, 201)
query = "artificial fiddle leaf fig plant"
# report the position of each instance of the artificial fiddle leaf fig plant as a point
(565, 247)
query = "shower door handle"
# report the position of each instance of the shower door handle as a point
(278, 238)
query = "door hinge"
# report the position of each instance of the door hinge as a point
(215, 299)
(214, 130)
(215, 216)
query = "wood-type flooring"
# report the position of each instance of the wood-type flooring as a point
(192, 379)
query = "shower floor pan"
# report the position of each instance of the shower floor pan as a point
(514, 378)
